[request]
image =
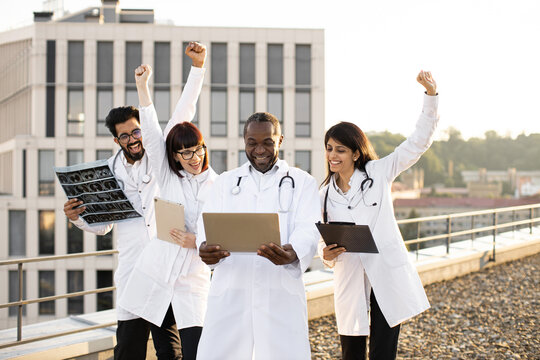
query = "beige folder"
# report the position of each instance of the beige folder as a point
(169, 215)
(241, 232)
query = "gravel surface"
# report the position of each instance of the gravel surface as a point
(490, 314)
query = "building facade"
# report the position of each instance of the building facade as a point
(59, 80)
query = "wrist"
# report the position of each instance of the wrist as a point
(198, 64)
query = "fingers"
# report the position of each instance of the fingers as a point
(143, 70)
(277, 254)
(71, 213)
(269, 253)
(195, 47)
(211, 254)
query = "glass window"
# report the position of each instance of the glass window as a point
(104, 105)
(46, 288)
(302, 113)
(247, 64)
(131, 97)
(302, 160)
(14, 291)
(17, 233)
(275, 105)
(46, 232)
(218, 113)
(219, 63)
(275, 64)
(50, 92)
(133, 60)
(74, 157)
(218, 160)
(46, 172)
(75, 115)
(303, 64)
(104, 242)
(242, 158)
(105, 62)
(104, 300)
(162, 103)
(103, 154)
(75, 283)
(162, 63)
(75, 62)
(247, 108)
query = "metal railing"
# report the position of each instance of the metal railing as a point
(447, 236)
(21, 302)
(494, 228)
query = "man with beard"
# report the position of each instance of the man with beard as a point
(257, 304)
(131, 167)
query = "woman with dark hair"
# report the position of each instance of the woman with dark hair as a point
(385, 286)
(170, 282)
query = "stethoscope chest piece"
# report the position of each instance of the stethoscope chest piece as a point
(146, 178)
(236, 190)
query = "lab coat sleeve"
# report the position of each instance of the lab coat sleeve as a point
(187, 105)
(98, 229)
(153, 142)
(304, 235)
(408, 152)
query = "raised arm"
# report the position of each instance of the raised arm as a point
(409, 151)
(187, 105)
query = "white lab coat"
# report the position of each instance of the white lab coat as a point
(257, 309)
(132, 236)
(167, 273)
(391, 275)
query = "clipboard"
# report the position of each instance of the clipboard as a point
(354, 238)
(169, 215)
(241, 232)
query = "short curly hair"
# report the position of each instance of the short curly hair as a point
(120, 115)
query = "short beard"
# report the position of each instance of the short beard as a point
(269, 167)
(134, 157)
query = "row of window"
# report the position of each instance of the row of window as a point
(218, 161)
(75, 283)
(162, 79)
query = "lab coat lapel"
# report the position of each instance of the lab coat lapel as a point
(121, 173)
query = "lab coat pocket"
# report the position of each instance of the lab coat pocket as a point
(221, 277)
(294, 286)
(394, 255)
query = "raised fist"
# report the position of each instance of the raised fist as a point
(197, 52)
(425, 78)
(143, 73)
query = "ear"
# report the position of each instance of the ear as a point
(356, 155)
(116, 141)
(280, 140)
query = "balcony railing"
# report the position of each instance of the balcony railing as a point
(447, 236)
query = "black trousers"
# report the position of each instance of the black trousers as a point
(383, 340)
(132, 339)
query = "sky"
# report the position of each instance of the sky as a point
(483, 54)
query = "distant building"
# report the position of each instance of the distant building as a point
(61, 76)
(522, 183)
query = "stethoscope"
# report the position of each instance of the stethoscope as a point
(366, 184)
(145, 179)
(236, 190)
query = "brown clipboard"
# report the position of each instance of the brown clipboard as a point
(354, 238)
(169, 215)
(241, 232)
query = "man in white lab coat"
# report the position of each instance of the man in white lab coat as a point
(131, 167)
(257, 305)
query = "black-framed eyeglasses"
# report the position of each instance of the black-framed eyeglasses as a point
(124, 138)
(188, 154)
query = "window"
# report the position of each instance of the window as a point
(247, 84)
(186, 68)
(275, 105)
(275, 64)
(14, 291)
(218, 159)
(75, 283)
(75, 103)
(46, 232)
(247, 108)
(104, 300)
(302, 110)
(46, 288)
(162, 80)
(242, 158)
(104, 105)
(133, 60)
(218, 96)
(103, 154)
(303, 160)
(51, 91)
(46, 172)
(17, 233)
(74, 234)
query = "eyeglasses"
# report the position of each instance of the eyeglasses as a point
(135, 134)
(188, 154)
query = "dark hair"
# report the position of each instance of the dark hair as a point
(352, 137)
(264, 117)
(181, 136)
(120, 115)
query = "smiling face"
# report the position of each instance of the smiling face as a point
(262, 145)
(340, 158)
(133, 149)
(193, 165)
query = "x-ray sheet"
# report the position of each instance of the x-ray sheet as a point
(94, 183)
